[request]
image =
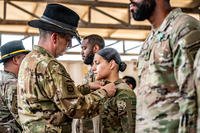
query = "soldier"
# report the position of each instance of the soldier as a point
(44, 86)
(195, 80)
(90, 45)
(166, 59)
(118, 113)
(12, 53)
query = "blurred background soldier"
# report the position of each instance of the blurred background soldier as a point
(90, 45)
(164, 104)
(118, 113)
(130, 81)
(44, 86)
(12, 54)
(195, 80)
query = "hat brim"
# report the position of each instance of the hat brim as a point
(50, 27)
(12, 55)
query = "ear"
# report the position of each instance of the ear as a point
(130, 86)
(54, 38)
(112, 64)
(15, 60)
(96, 48)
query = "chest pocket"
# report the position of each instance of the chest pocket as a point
(161, 51)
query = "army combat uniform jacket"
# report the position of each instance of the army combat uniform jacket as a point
(45, 88)
(164, 104)
(118, 113)
(195, 80)
(8, 103)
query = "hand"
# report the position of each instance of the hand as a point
(110, 89)
(96, 85)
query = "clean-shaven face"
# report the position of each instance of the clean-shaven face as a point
(101, 67)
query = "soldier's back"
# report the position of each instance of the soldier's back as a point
(8, 103)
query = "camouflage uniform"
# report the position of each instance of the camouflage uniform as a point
(196, 79)
(45, 89)
(90, 77)
(166, 59)
(8, 103)
(87, 125)
(118, 113)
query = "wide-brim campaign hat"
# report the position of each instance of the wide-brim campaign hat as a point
(11, 49)
(59, 19)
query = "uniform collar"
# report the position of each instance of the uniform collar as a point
(10, 73)
(159, 32)
(116, 82)
(167, 21)
(42, 50)
(170, 17)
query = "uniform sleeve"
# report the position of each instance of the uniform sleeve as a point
(185, 42)
(64, 93)
(126, 104)
(11, 97)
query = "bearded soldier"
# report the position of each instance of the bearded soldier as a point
(164, 103)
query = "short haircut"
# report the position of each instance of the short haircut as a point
(95, 39)
(43, 33)
(130, 80)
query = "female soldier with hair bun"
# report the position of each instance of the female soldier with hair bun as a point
(118, 113)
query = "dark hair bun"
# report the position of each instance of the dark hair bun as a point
(122, 66)
(112, 54)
